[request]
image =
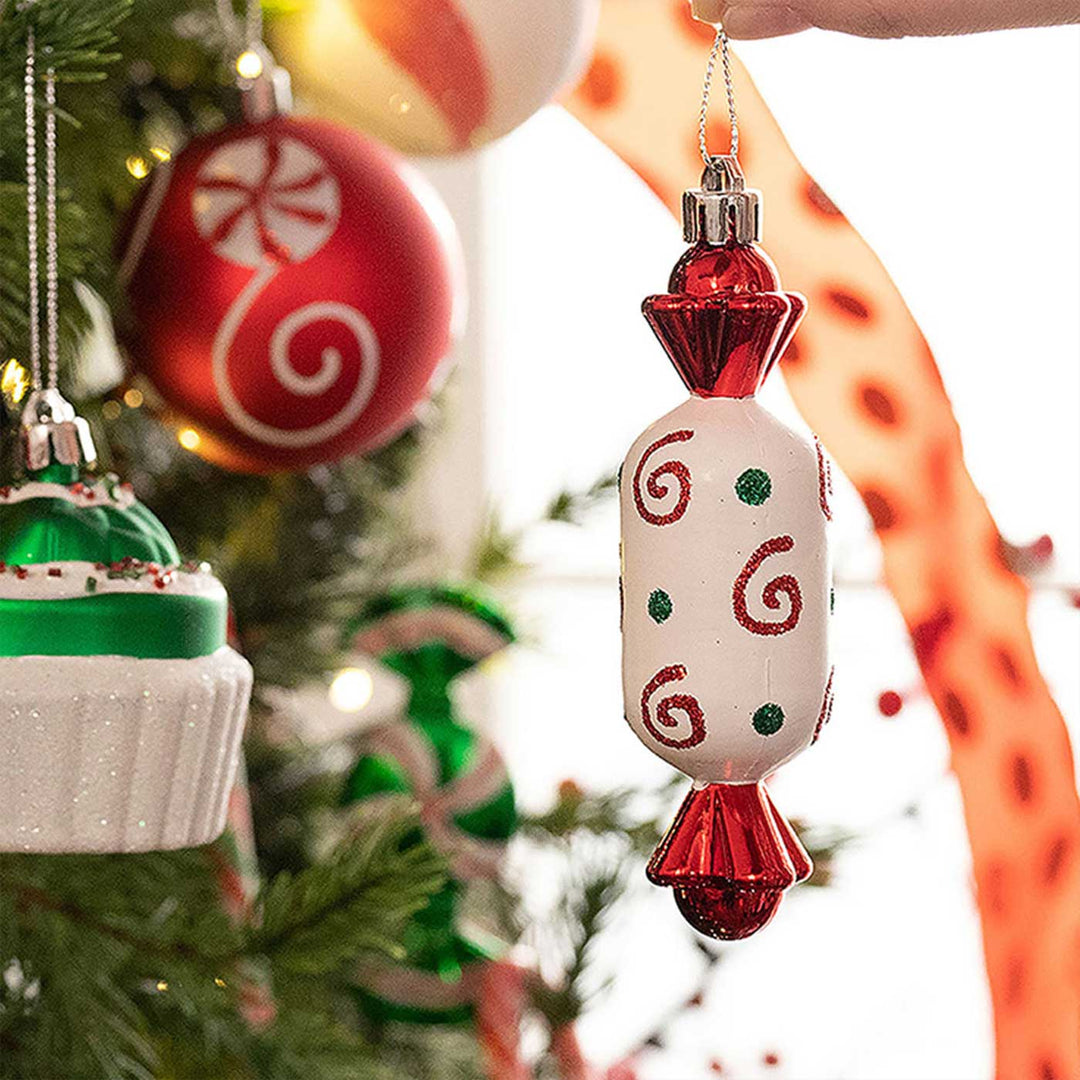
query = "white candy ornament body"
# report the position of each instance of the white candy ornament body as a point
(725, 590)
(725, 583)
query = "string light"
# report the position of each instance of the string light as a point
(189, 438)
(162, 153)
(14, 381)
(138, 167)
(351, 690)
(249, 64)
(111, 410)
(133, 398)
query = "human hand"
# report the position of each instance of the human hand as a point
(882, 18)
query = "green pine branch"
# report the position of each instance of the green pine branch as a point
(128, 966)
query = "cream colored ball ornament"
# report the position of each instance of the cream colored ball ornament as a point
(434, 76)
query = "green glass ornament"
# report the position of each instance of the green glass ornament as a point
(86, 569)
(431, 635)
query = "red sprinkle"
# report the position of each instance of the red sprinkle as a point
(55, 571)
(21, 572)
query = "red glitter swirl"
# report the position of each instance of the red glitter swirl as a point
(656, 488)
(685, 703)
(824, 477)
(826, 708)
(785, 584)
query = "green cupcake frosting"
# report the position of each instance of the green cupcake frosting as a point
(100, 576)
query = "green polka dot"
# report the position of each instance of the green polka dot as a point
(768, 719)
(753, 487)
(660, 605)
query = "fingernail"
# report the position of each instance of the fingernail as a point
(762, 20)
(710, 11)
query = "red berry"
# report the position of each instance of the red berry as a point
(570, 790)
(770, 1058)
(1043, 548)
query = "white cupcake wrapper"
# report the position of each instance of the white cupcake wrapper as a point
(118, 754)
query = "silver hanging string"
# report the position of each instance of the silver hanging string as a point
(52, 275)
(241, 35)
(254, 22)
(33, 300)
(719, 48)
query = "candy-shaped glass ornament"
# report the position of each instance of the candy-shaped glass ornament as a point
(725, 572)
(431, 635)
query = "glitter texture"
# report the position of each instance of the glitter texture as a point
(768, 719)
(683, 703)
(656, 488)
(114, 767)
(753, 487)
(785, 584)
(660, 606)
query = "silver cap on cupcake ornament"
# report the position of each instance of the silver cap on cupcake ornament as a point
(53, 433)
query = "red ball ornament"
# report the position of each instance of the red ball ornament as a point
(295, 287)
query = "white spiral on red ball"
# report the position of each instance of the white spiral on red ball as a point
(282, 217)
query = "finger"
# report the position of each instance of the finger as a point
(883, 18)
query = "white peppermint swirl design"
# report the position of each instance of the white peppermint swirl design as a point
(281, 218)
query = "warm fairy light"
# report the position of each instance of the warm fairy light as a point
(219, 981)
(138, 167)
(249, 64)
(162, 153)
(351, 690)
(14, 381)
(111, 410)
(133, 398)
(162, 985)
(188, 438)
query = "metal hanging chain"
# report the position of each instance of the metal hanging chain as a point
(31, 217)
(241, 34)
(719, 46)
(52, 291)
(254, 22)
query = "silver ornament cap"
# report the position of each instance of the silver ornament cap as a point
(52, 432)
(723, 210)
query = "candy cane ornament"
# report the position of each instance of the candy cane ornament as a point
(725, 571)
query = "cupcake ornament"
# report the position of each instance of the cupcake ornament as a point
(121, 706)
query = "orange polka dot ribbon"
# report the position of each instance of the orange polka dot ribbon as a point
(865, 379)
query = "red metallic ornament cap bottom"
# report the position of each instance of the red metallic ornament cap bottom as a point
(729, 855)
